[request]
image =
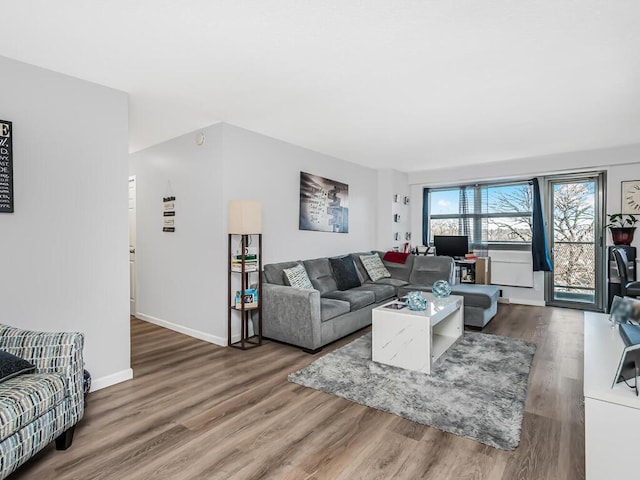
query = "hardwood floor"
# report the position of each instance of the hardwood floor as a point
(198, 411)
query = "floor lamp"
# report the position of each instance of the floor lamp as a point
(245, 219)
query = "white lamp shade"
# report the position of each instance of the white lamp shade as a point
(245, 216)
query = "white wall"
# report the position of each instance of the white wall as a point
(620, 163)
(182, 276)
(390, 183)
(615, 175)
(65, 262)
(258, 167)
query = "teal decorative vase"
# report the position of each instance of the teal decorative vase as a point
(441, 289)
(416, 301)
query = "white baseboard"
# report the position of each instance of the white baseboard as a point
(522, 301)
(207, 337)
(108, 380)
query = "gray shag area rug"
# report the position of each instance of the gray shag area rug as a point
(477, 389)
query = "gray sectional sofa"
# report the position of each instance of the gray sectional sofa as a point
(314, 318)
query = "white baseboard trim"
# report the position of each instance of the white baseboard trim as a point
(524, 301)
(207, 337)
(108, 380)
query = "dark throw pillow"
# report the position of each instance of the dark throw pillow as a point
(344, 272)
(12, 366)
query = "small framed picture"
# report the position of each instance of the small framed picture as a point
(406, 200)
(407, 236)
(396, 218)
(396, 198)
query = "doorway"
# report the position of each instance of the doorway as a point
(575, 229)
(132, 245)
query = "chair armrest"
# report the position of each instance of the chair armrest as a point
(50, 352)
(291, 315)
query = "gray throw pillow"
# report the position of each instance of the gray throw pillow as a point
(12, 366)
(344, 273)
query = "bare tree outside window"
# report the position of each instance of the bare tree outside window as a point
(509, 200)
(574, 254)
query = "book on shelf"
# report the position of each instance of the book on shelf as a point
(247, 267)
(246, 257)
(248, 264)
(247, 306)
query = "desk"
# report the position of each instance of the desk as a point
(611, 415)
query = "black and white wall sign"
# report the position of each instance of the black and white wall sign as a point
(6, 167)
(169, 210)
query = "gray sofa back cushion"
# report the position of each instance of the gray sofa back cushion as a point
(428, 269)
(320, 274)
(399, 271)
(273, 273)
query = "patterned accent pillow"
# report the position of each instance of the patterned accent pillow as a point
(297, 277)
(374, 267)
(12, 366)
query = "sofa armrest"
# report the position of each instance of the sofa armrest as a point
(50, 352)
(291, 315)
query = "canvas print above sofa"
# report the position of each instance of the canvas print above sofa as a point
(324, 204)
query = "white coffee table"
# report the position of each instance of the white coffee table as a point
(416, 339)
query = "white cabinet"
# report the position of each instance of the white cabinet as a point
(612, 415)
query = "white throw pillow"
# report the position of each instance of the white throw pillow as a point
(374, 267)
(298, 277)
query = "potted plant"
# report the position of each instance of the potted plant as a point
(622, 227)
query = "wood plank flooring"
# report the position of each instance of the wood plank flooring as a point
(198, 411)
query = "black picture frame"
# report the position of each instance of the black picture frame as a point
(6, 167)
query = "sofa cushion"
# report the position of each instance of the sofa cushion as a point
(330, 308)
(12, 366)
(357, 299)
(27, 397)
(320, 274)
(297, 277)
(483, 296)
(374, 267)
(344, 273)
(428, 269)
(273, 272)
(381, 291)
(401, 271)
(394, 282)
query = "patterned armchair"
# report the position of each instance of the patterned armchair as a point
(40, 407)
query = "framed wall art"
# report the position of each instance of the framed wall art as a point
(630, 201)
(324, 204)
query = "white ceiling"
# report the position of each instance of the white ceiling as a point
(411, 84)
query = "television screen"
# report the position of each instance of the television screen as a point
(456, 246)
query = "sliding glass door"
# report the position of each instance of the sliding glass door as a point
(575, 235)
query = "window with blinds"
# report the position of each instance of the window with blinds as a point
(491, 215)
